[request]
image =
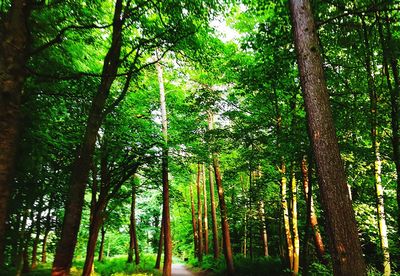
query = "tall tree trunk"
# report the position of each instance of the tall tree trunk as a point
(37, 234)
(341, 224)
(264, 234)
(375, 148)
(101, 249)
(80, 170)
(223, 212)
(296, 240)
(311, 215)
(133, 245)
(166, 214)
(14, 48)
(199, 215)
(194, 223)
(286, 218)
(389, 57)
(213, 214)
(205, 210)
(250, 220)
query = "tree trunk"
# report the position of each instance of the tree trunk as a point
(213, 214)
(194, 222)
(223, 212)
(14, 48)
(80, 171)
(160, 246)
(133, 245)
(375, 148)
(37, 234)
(341, 224)
(101, 249)
(47, 230)
(311, 215)
(94, 229)
(250, 220)
(166, 214)
(199, 216)
(205, 210)
(296, 240)
(264, 234)
(286, 218)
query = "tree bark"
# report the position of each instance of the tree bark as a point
(264, 234)
(205, 210)
(341, 224)
(37, 234)
(296, 240)
(213, 214)
(376, 154)
(199, 215)
(194, 222)
(166, 213)
(14, 48)
(160, 246)
(80, 171)
(101, 249)
(94, 229)
(47, 230)
(286, 218)
(133, 244)
(222, 206)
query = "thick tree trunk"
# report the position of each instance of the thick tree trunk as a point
(213, 214)
(133, 245)
(286, 218)
(14, 48)
(205, 210)
(166, 213)
(341, 224)
(311, 215)
(194, 222)
(199, 215)
(80, 171)
(296, 240)
(101, 249)
(375, 148)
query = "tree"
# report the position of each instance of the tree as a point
(342, 228)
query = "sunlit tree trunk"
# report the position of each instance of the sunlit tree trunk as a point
(213, 214)
(222, 206)
(133, 244)
(296, 240)
(312, 216)
(286, 218)
(14, 48)
(199, 215)
(80, 169)
(194, 222)
(375, 148)
(166, 214)
(205, 210)
(341, 224)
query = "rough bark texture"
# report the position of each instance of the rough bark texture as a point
(341, 225)
(80, 171)
(199, 216)
(166, 214)
(194, 222)
(376, 154)
(14, 47)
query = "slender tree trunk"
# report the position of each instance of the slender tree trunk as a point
(160, 246)
(296, 240)
(166, 213)
(286, 218)
(311, 215)
(264, 234)
(94, 229)
(80, 171)
(213, 214)
(47, 230)
(133, 245)
(375, 148)
(21, 243)
(101, 249)
(222, 206)
(194, 222)
(199, 215)
(250, 220)
(37, 234)
(14, 48)
(205, 210)
(341, 224)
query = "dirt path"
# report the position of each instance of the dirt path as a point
(181, 270)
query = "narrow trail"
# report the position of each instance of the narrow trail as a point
(181, 270)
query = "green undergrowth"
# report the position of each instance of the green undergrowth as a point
(243, 266)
